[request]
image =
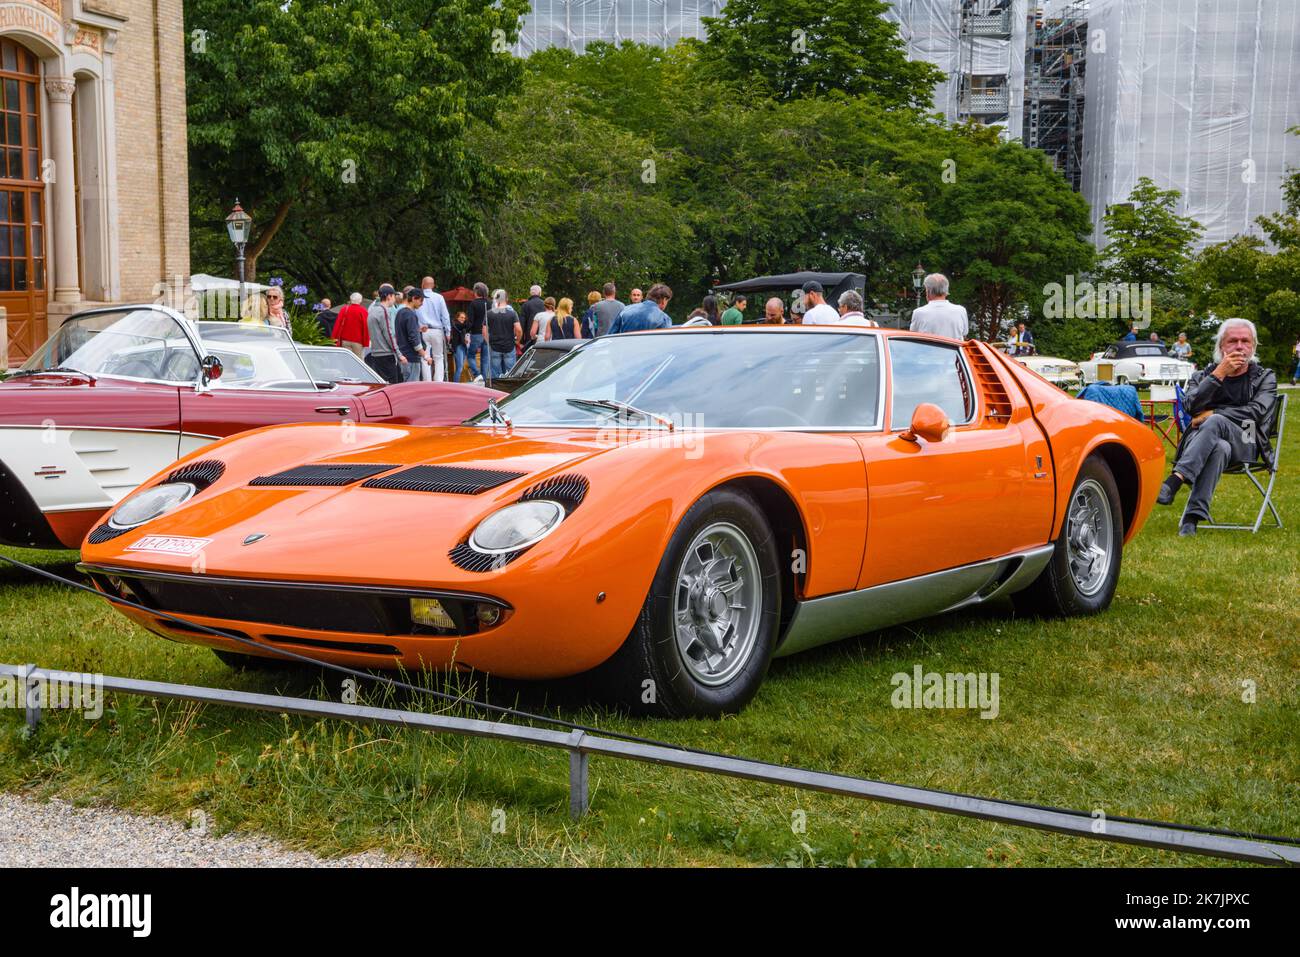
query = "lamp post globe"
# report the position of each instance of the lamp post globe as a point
(238, 226)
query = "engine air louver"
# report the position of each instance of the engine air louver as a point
(568, 490)
(451, 479)
(324, 474)
(199, 474)
(997, 403)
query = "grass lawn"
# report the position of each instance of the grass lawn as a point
(1137, 712)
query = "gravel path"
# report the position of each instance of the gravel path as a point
(56, 834)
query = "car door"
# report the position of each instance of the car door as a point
(984, 492)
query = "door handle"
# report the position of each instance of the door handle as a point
(337, 409)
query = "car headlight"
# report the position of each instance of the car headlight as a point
(516, 526)
(151, 503)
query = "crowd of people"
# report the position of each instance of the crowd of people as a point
(411, 335)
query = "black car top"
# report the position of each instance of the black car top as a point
(1137, 350)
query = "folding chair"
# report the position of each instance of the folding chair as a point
(1163, 424)
(1269, 465)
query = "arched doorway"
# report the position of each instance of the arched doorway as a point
(22, 200)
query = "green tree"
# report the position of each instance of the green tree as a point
(1148, 242)
(798, 49)
(317, 106)
(584, 203)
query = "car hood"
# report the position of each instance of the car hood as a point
(353, 532)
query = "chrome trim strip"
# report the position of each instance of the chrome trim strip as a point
(382, 590)
(819, 621)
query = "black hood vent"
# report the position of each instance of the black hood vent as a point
(449, 479)
(199, 474)
(323, 474)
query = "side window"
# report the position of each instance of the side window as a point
(929, 372)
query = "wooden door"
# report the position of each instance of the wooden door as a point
(22, 201)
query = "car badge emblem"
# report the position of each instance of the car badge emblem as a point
(255, 537)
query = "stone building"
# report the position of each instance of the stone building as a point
(93, 183)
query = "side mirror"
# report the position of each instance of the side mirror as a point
(928, 422)
(211, 369)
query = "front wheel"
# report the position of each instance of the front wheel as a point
(705, 635)
(1081, 576)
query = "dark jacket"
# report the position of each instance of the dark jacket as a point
(407, 329)
(1204, 392)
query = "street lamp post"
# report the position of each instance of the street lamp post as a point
(918, 275)
(238, 226)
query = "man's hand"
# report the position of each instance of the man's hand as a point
(1200, 417)
(1232, 365)
(403, 360)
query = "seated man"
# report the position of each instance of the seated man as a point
(1231, 403)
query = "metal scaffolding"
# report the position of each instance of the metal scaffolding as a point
(1055, 63)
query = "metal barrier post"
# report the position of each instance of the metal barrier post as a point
(579, 762)
(31, 697)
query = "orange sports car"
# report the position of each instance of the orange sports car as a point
(669, 510)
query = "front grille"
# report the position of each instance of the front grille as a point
(451, 479)
(332, 608)
(323, 474)
(199, 474)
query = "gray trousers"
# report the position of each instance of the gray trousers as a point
(1210, 448)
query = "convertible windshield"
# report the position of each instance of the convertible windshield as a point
(135, 343)
(723, 380)
(150, 344)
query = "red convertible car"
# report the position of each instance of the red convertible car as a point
(117, 394)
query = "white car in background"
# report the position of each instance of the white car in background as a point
(1137, 363)
(1059, 372)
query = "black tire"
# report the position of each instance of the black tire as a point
(650, 673)
(1057, 592)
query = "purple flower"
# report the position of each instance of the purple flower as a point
(318, 308)
(277, 281)
(300, 302)
(299, 290)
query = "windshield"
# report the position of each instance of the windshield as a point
(254, 356)
(813, 380)
(132, 343)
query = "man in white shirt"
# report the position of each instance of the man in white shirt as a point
(939, 316)
(851, 313)
(435, 323)
(817, 312)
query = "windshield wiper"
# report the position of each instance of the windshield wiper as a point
(620, 408)
(55, 370)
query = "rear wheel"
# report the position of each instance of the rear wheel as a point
(705, 635)
(1081, 577)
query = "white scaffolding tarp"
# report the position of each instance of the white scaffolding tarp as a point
(1198, 95)
(573, 24)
